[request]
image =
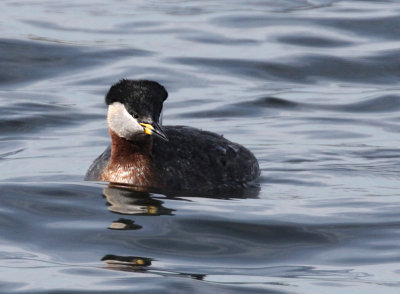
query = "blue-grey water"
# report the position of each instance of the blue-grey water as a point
(311, 87)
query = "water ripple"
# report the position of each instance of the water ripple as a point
(311, 87)
(28, 61)
(306, 69)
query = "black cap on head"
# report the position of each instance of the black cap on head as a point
(141, 97)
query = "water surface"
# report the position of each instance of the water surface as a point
(311, 87)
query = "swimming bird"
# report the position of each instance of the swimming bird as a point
(176, 158)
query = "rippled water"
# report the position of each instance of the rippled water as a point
(311, 87)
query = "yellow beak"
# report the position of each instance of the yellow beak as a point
(148, 128)
(154, 129)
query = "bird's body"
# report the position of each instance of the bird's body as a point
(190, 159)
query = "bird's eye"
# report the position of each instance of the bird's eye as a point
(136, 116)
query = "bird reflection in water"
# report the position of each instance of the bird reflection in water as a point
(128, 200)
(126, 263)
(137, 201)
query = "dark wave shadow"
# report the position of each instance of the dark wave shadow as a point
(23, 117)
(307, 69)
(387, 103)
(213, 38)
(313, 41)
(27, 61)
(260, 106)
(380, 26)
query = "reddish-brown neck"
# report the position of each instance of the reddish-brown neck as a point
(124, 151)
(131, 162)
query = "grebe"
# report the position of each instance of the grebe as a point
(176, 158)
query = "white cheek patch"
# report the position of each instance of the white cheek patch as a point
(121, 122)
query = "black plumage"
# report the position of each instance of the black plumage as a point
(192, 159)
